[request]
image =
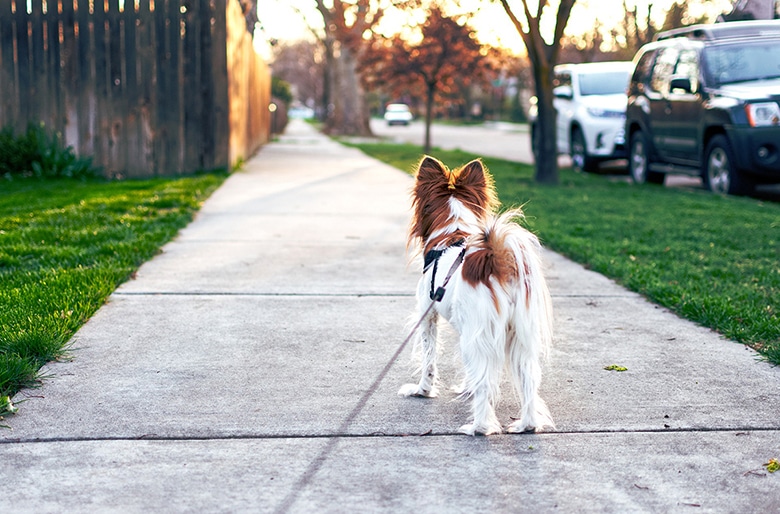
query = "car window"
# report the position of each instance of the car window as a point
(688, 66)
(644, 68)
(562, 79)
(662, 72)
(728, 64)
(604, 83)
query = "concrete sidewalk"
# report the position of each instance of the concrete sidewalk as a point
(249, 368)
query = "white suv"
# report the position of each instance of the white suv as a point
(590, 100)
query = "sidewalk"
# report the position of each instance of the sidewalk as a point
(248, 368)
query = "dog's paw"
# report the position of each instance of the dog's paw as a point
(416, 391)
(522, 426)
(474, 429)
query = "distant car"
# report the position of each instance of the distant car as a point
(398, 114)
(590, 100)
(704, 100)
(301, 112)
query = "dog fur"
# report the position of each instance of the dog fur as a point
(497, 299)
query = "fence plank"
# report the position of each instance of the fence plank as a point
(146, 67)
(24, 62)
(54, 90)
(70, 74)
(194, 128)
(9, 97)
(135, 162)
(39, 108)
(116, 105)
(218, 64)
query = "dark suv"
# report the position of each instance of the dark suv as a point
(705, 101)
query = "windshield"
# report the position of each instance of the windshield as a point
(742, 62)
(604, 83)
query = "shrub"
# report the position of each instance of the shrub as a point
(38, 153)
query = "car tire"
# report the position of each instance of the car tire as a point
(639, 162)
(580, 159)
(719, 174)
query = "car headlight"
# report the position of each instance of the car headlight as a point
(604, 113)
(763, 114)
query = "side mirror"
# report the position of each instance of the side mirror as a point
(681, 85)
(563, 92)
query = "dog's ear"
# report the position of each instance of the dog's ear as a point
(431, 169)
(473, 174)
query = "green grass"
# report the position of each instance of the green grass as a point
(65, 245)
(714, 260)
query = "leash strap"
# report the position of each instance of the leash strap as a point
(437, 295)
(432, 258)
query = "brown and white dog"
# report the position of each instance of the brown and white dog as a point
(497, 299)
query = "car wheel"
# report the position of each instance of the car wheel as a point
(719, 174)
(639, 162)
(579, 154)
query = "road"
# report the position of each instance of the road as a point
(492, 139)
(512, 141)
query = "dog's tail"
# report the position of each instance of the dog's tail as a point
(507, 259)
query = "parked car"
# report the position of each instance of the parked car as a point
(705, 101)
(590, 101)
(398, 114)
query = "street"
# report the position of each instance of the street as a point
(509, 141)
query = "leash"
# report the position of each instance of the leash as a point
(317, 463)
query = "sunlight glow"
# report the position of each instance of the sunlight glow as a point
(287, 20)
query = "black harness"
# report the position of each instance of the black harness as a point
(432, 257)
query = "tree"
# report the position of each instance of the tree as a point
(543, 57)
(638, 27)
(446, 55)
(347, 24)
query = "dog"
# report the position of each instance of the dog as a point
(496, 297)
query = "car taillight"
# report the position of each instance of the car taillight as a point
(763, 114)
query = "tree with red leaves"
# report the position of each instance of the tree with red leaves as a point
(446, 55)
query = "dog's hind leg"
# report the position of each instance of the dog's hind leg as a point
(427, 345)
(526, 378)
(483, 363)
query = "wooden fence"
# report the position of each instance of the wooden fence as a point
(144, 87)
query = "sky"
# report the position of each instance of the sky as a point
(279, 19)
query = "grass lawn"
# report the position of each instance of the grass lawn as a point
(714, 260)
(65, 245)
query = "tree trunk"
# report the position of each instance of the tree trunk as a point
(327, 80)
(428, 117)
(547, 156)
(347, 112)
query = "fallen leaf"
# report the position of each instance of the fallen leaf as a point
(772, 466)
(615, 367)
(6, 406)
